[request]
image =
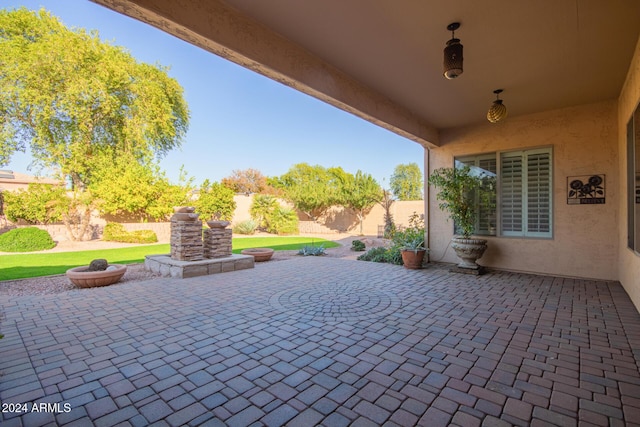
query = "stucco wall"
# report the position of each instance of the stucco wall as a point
(628, 260)
(585, 237)
(337, 219)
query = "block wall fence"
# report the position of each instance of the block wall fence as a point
(336, 220)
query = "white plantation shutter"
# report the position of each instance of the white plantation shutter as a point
(525, 195)
(511, 194)
(538, 194)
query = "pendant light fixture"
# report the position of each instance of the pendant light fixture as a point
(498, 110)
(453, 54)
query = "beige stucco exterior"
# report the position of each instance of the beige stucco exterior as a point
(588, 241)
(583, 140)
(628, 261)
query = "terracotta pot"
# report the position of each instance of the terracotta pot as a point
(469, 251)
(413, 259)
(79, 276)
(259, 254)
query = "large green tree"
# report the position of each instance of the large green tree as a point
(311, 189)
(360, 193)
(75, 100)
(406, 182)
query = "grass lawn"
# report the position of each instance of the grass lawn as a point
(21, 266)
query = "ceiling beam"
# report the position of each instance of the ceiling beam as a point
(214, 26)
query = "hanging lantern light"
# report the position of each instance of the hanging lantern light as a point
(498, 110)
(453, 54)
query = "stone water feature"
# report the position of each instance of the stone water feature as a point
(195, 252)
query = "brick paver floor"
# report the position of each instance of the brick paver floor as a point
(315, 341)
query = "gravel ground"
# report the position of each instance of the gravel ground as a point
(135, 272)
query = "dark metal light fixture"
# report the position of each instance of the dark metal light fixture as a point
(453, 54)
(498, 110)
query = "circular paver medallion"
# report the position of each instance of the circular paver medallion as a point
(336, 302)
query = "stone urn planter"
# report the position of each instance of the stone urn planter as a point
(82, 277)
(259, 254)
(469, 251)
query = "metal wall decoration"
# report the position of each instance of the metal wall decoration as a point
(586, 190)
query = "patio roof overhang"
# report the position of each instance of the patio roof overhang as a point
(382, 60)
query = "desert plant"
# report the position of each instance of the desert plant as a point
(26, 239)
(412, 236)
(358, 245)
(115, 232)
(386, 202)
(312, 250)
(245, 227)
(261, 207)
(282, 221)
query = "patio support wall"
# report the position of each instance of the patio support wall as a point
(629, 261)
(585, 237)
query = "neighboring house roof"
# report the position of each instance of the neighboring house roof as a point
(10, 180)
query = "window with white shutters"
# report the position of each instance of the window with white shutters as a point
(525, 193)
(522, 204)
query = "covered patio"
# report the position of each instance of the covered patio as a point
(570, 71)
(317, 341)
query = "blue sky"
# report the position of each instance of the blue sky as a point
(239, 119)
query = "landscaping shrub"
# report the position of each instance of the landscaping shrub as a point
(399, 238)
(115, 232)
(358, 246)
(26, 239)
(312, 250)
(261, 208)
(374, 255)
(38, 204)
(245, 227)
(282, 221)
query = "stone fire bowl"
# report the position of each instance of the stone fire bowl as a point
(259, 254)
(79, 276)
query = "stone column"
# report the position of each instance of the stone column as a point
(186, 240)
(217, 242)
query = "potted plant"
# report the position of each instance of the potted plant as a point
(411, 241)
(413, 252)
(457, 188)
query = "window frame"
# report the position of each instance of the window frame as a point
(633, 181)
(524, 156)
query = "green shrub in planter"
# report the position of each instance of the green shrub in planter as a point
(26, 239)
(245, 227)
